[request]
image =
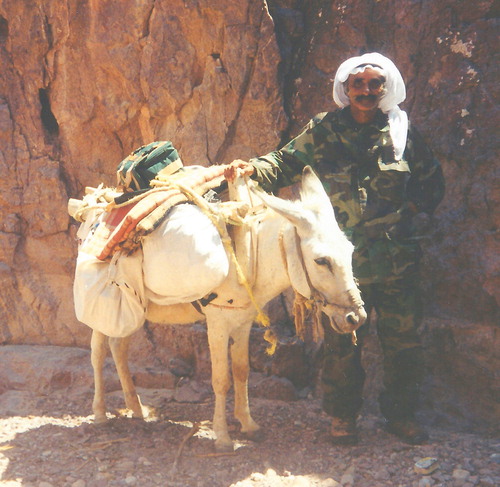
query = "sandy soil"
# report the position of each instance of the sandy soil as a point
(51, 441)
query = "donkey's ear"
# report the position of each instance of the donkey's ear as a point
(314, 197)
(292, 210)
(312, 192)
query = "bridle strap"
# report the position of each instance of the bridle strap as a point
(314, 295)
(302, 303)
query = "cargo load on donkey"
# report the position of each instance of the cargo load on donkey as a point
(109, 290)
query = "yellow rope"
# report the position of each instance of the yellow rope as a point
(216, 219)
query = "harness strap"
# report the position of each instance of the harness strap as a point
(302, 304)
(216, 219)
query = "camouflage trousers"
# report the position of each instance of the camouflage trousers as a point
(398, 310)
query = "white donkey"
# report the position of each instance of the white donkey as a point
(296, 243)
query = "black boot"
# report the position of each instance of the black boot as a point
(407, 430)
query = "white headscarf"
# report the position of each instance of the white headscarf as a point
(395, 94)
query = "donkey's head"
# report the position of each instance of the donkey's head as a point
(319, 255)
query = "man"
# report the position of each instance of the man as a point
(384, 183)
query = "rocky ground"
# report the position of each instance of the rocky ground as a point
(50, 440)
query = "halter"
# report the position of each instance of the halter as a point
(316, 300)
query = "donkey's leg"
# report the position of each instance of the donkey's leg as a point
(119, 349)
(218, 340)
(241, 368)
(97, 357)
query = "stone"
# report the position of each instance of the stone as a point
(495, 457)
(460, 474)
(347, 479)
(273, 387)
(330, 483)
(192, 391)
(299, 481)
(180, 367)
(427, 465)
(125, 465)
(487, 481)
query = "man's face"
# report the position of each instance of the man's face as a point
(365, 90)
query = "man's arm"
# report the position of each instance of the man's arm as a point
(283, 167)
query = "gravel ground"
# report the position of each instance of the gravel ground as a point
(45, 441)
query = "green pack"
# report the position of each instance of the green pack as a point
(137, 170)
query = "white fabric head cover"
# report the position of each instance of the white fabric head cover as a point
(394, 95)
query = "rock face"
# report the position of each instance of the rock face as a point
(84, 83)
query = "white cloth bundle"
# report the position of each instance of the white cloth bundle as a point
(184, 258)
(181, 261)
(110, 296)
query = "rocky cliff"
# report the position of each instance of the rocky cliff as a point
(84, 82)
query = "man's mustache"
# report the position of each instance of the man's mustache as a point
(366, 97)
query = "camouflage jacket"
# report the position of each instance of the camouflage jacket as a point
(374, 196)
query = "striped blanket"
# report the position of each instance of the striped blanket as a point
(123, 226)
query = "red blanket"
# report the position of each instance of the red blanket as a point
(122, 228)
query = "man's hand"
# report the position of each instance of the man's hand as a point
(238, 168)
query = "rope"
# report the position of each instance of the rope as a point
(215, 218)
(97, 200)
(80, 213)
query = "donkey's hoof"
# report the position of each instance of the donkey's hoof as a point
(224, 447)
(257, 435)
(100, 418)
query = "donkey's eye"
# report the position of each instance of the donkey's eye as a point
(323, 261)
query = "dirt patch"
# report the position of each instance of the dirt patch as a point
(52, 441)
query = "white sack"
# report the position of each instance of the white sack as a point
(184, 258)
(109, 296)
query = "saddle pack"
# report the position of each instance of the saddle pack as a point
(137, 170)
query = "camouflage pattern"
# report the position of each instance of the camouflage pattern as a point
(397, 308)
(375, 198)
